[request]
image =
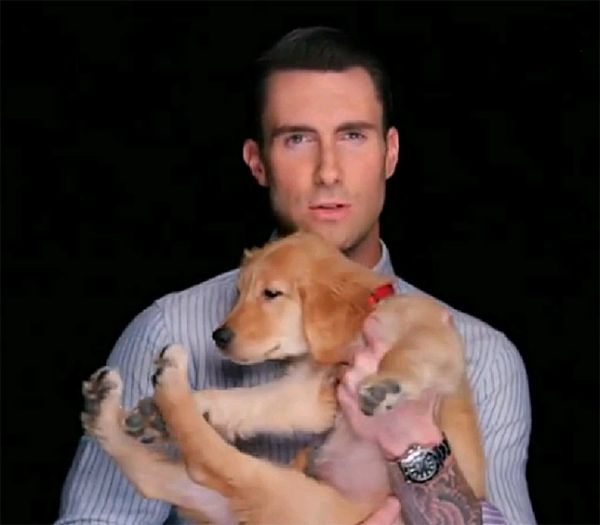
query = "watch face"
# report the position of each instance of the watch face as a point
(421, 466)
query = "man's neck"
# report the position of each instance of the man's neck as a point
(368, 251)
(366, 257)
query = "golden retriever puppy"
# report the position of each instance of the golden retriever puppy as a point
(301, 300)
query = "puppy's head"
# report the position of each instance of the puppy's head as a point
(297, 295)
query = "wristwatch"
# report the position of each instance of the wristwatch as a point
(420, 463)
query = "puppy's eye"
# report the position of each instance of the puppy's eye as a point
(271, 294)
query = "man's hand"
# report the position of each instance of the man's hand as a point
(388, 514)
(409, 422)
(447, 498)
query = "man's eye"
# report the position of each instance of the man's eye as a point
(271, 294)
(355, 135)
(296, 138)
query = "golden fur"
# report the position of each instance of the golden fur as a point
(312, 314)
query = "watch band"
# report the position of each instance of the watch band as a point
(442, 450)
(421, 463)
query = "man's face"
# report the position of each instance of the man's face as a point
(326, 157)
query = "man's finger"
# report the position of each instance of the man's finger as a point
(361, 424)
(345, 397)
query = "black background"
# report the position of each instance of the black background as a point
(123, 180)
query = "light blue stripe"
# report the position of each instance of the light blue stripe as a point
(491, 515)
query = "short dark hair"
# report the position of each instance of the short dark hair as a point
(317, 48)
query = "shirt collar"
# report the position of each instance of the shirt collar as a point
(384, 265)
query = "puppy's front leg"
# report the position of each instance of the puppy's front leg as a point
(260, 492)
(303, 400)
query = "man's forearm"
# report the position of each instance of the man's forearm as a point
(446, 499)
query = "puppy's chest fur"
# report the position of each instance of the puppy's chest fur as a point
(355, 467)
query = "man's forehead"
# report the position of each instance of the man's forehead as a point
(305, 94)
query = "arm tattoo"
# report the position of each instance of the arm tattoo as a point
(446, 499)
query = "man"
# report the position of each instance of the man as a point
(324, 147)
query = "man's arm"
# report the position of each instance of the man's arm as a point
(446, 497)
(95, 491)
(502, 397)
(505, 421)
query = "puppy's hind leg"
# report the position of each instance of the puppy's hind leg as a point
(152, 473)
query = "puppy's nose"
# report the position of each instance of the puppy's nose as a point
(223, 336)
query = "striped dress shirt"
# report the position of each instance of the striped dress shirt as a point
(96, 492)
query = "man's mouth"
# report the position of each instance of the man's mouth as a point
(329, 211)
(328, 205)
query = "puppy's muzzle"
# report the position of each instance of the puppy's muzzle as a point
(223, 337)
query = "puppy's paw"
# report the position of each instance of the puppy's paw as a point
(170, 366)
(377, 395)
(145, 423)
(102, 401)
(218, 413)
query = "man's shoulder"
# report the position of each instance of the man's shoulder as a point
(187, 316)
(466, 322)
(210, 289)
(185, 313)
(485, 345)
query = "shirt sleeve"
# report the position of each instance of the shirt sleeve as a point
(490, 515)
(95, 491)
(505, 419)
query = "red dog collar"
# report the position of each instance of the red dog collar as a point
(380, 293)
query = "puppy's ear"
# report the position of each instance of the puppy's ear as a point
(249, 254)
(447, 317)
(332, 318)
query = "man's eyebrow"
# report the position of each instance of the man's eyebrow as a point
(355, 124)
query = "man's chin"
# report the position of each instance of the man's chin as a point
(338, 237)
(335, 233)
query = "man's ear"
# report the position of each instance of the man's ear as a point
(392, 151)
(253, 159)
(331, 318)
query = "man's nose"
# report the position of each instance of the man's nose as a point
(328, 171)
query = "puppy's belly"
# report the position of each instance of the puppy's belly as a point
(356, 468)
